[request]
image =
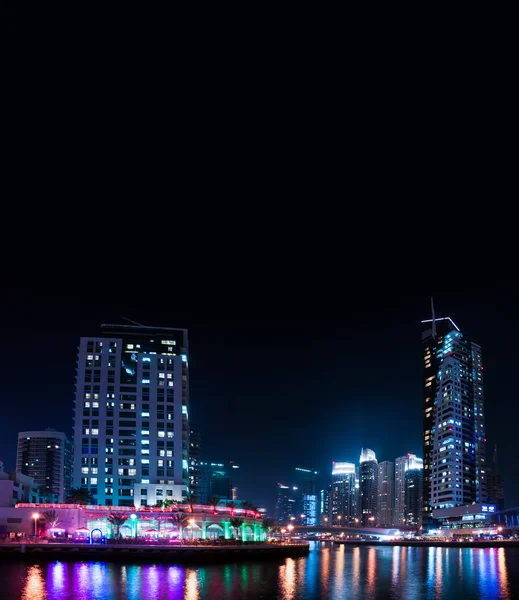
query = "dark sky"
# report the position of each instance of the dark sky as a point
(275, 393)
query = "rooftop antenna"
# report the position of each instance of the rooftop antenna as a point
(134, 322)
(433, 320)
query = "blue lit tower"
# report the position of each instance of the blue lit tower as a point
(454, 424)
(308, 504)
(131, 427)
(368, 470)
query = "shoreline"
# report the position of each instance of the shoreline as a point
(154, 553)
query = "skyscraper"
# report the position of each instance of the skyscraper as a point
(286, 503)
(342, 497)
(495, 485)
(402, 465)
(386, 494)
(413, 484)
(46, 456)
(131, 429)
(194, 460)
(454, 423)
(215, 482)
(325, 498)
(368, 470)
(308, 505)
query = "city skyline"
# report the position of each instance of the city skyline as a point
(285, 361)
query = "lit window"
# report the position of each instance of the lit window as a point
(87, 404)
(84, 470)
(170, 383)
(145, 451)
(143, 442)
(132, 471)
(145, 480)
(145, 461)
(170, 376)
(93, 480)
(145, 432)
(145, 381)
(161, 375)
(129, 346)
(160, 433)
(93, 470)
(95, 404)
(95, 431)
(160, 463)
(170, 434)
(169, 452)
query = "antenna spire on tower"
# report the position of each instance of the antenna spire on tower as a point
(433, 320)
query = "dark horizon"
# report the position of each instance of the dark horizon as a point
(275, 394)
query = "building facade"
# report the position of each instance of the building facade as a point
(194, 461)
(368, 470)
(495, 485)
(131, 423)
(342, 496)
(413, 482)
(402, 465)
(453, 422)
(286, 504)
(308, 503)
(386, 493)
(46, 457)
(215, 482)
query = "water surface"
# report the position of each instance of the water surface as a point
(329, 572)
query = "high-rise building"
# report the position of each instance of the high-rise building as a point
(286, 504)
(454, 422)
(402, 465)
(194, 460)
(308, 505)
(46, 456)
(342, 497)
(495, 485)
(368, 470)
(325, 505)
(132, 414)
(215, 482)
(413, 483)
(386, 494)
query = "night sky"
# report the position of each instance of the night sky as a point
(274, 392)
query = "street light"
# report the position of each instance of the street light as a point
(283, 531)
(192, 522)
(339, 517)
(290, 529)
(35, 516)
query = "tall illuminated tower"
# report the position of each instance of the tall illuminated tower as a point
(131, 427)
(386, 496)
(342, 496)
(368, 470)
(453, 424)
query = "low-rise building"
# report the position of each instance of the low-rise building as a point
(471, 520)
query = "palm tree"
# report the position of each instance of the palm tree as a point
(270, 525)
(191, 500)
(236, 524)
(249, 507)
(164, 504)
(116, 521)
(51, 518)
(179, 519)
(80, 495)
(213, 502)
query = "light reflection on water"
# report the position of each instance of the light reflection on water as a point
(330, 572)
